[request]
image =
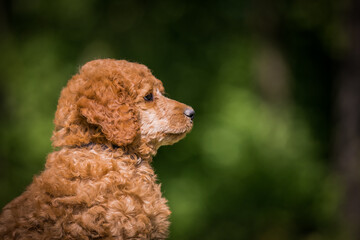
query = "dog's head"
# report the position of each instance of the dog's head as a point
(120, 103)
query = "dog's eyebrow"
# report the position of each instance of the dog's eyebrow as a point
(165, 94)
(162, 92)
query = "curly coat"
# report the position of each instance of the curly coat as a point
(110, 120)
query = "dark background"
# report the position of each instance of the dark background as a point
(275, 84)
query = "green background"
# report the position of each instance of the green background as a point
(259, 74)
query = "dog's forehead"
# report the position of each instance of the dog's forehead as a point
(144, 78)
(150, 83)
(126, 74)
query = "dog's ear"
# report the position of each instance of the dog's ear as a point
(118, 121)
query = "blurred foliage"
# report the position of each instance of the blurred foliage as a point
(258, 162)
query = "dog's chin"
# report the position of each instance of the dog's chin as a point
(173, 137)
(170, 138)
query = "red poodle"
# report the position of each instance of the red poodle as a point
(99, 184)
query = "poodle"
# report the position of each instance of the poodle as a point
(110, 121)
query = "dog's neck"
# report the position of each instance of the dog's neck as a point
(115, 148)
(103, 146)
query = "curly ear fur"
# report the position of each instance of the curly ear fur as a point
(97, 106)
(118, 121)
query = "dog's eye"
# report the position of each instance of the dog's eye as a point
(149, 97)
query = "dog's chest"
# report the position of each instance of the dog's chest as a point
(113, 192)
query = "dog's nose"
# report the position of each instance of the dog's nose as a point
(189, 112)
